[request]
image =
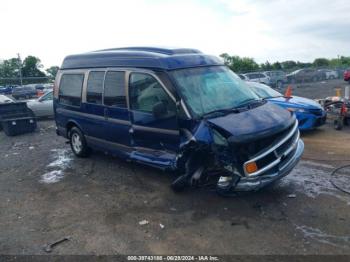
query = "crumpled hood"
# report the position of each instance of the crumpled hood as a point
(296, 101)
(259, 122)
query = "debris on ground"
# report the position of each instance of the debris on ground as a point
(343, 179)
(49, 247)
(143, 222)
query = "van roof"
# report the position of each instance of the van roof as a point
(143, 57)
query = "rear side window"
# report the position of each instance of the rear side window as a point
(114, 93)
(70, 89)
(95, 87)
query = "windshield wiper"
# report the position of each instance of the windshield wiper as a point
(224, 111)
(247, 102)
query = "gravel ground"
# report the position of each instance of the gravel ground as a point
(46, 194)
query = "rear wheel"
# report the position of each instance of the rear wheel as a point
(78, 142)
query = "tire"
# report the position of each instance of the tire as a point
(78, 142)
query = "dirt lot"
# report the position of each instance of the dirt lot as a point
(46, 193)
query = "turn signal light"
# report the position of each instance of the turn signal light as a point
(251, 167)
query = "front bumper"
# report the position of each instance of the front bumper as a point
(308, 121)
(258, 182)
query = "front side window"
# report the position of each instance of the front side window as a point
(146, 92)
(47, 97)
(70, 89)
(114, 92)
(207, 89)
(95, 87)
(264, 91)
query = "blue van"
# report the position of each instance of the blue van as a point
(175, 109)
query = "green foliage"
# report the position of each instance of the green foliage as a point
(30, 68)
(10, 70)
(52, 72)
(245, 64)
(240, 64)
(321, 62)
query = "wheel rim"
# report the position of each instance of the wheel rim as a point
(76, 143)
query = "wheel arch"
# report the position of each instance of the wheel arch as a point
(70, 124)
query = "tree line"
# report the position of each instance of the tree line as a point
(30, 69)
(247, 64)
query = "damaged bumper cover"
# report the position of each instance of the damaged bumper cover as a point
(258, 182)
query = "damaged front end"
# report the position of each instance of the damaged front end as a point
(221, 156)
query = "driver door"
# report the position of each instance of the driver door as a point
(153, 114)
(45, 105)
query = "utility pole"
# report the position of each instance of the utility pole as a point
(20, 68)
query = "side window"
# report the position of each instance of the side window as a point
(47, 97)
(95, 87)
(114, 94)
(70, 89)
(146, 92)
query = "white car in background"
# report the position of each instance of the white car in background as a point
(43, 106)
(331, 74)
(258, 77)
(5, 99)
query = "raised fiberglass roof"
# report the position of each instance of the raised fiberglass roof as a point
(143, 57)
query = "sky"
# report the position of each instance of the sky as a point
(266, 30)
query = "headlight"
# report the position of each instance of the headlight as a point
(293, 109)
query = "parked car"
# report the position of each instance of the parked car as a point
(5, 90)
(347, 75)
(42, 106)
(243, 77)
(277, 78)
(309, 113)
(258, 77)
(22, 92)
(304, 75)
(39, 86)
(328, 74)
(175, 109)
(5, 99)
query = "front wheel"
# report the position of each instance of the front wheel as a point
(78, 142)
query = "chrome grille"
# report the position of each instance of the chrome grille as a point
(277, 154)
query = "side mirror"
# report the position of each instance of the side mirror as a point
(159, 110)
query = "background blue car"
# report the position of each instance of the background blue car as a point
(309, 113)
(5, 90)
